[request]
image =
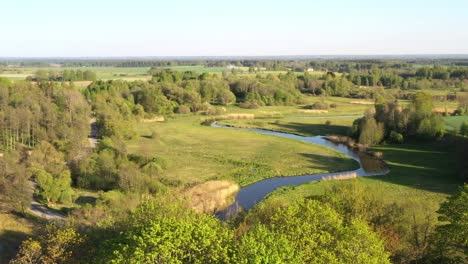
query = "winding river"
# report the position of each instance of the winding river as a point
(251, 194)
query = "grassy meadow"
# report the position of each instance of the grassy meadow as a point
(196, 153)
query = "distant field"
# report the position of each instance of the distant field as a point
(105, 73)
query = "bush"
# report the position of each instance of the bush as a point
(154, 135)
(328, 122)
(249, 105)
(317, 106)
(214, 111)
(464, 129)
(183, 109)
(333, 106)
(208, 122)
(396, 137)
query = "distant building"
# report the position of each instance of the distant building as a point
(310, 69)
(230, 66)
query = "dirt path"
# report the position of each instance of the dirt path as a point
(41, 211)
(93, 135)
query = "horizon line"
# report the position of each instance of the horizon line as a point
(311, 56)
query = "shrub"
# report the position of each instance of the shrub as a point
(249, 105)
(317, 106)
(464, 129)
(213, 111)
(183, 109)
(396, 137)
(208, 122)
(328, 122)
(333, 105)
(154, 135)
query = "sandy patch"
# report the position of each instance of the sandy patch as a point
(82, 83)
(441, 110)
(211, 196)
(312, 111)
(154, 119)
(341, 176)
(362, 102)
(15, 75)
(238, 116)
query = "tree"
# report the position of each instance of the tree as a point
(318, 234)
(54, 188)
(15, 191)
(260, 245)
(464, 129)
(163, 233)
(451, 238)
(56, 246)
(422, 103)
(371, 131)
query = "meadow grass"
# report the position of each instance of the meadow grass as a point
(196, 153)
(453, 123)
(299, 126)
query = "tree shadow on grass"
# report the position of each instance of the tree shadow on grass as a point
(422, 165)
(331, 164)
(312, 129)
(9, 244)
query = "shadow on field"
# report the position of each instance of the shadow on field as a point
(422, 165)
(330, 163)
(313, 129)
(9, 244)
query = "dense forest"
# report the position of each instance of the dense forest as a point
(136, 219)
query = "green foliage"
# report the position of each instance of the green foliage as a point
(451, 238)
(15, 194)
(56, 246)
(169, 234)
(464, 129)
(431, 127)
(261, 245)
(318, 106)
(371, 131)
(422, 103)
(54, 188)
(396, 137)
(317, 233)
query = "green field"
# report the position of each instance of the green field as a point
(453, 123)
(197, 153)
(105, 73)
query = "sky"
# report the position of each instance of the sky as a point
(104, 28)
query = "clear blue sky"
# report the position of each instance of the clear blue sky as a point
(243, 27)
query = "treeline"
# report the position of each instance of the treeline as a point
(60, 76)
(391, 122)
(47, 111)
(43, 134)
(181, 92)
(331, 63)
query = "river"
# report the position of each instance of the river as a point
(251, 194)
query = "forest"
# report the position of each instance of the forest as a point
(125, 200)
